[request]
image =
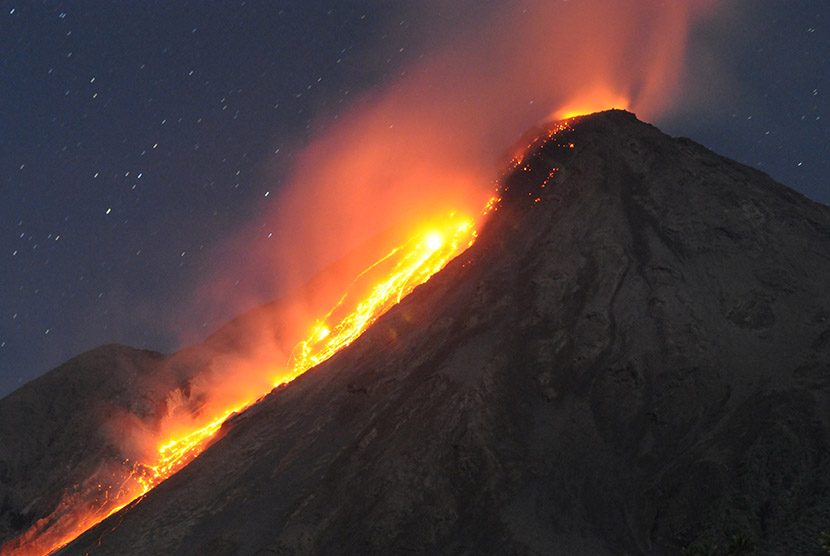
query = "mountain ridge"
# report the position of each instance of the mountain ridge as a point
(633, 363)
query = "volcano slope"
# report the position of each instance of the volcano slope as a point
(633, 357)
(67, 439)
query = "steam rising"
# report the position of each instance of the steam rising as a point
(426, 145)
(420, 148)
(399, 159)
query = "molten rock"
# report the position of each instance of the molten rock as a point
(633, 357)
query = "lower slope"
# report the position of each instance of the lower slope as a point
(633, 357)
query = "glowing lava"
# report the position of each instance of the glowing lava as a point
(402, 269)
(370, 295)
(597, 99)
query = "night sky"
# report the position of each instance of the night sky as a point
(135, 137)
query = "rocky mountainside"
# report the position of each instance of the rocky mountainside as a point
(62, 435)
(632, 358)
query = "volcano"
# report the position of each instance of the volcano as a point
(633, 358)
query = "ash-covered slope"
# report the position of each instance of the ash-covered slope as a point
(634, 356)
(54, 440)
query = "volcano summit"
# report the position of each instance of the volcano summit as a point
(632, 358)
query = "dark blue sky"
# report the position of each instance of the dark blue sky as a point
(135, 136)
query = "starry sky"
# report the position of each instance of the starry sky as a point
(135, 137)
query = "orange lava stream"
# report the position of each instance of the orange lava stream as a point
(414, 262)
(372, 293)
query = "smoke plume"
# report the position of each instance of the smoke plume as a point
(426, 145)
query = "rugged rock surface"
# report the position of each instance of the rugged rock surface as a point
(637, 361)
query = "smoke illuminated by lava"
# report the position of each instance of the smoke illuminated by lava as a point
(373, 191)
(179, 441)
(428, 144)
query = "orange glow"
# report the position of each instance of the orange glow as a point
(594, 100)
(425, 143)
(370, 295)
(402, 269)
(368, 196)
(434, 241)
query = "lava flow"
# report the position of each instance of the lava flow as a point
(371, 294)
(409, 265)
